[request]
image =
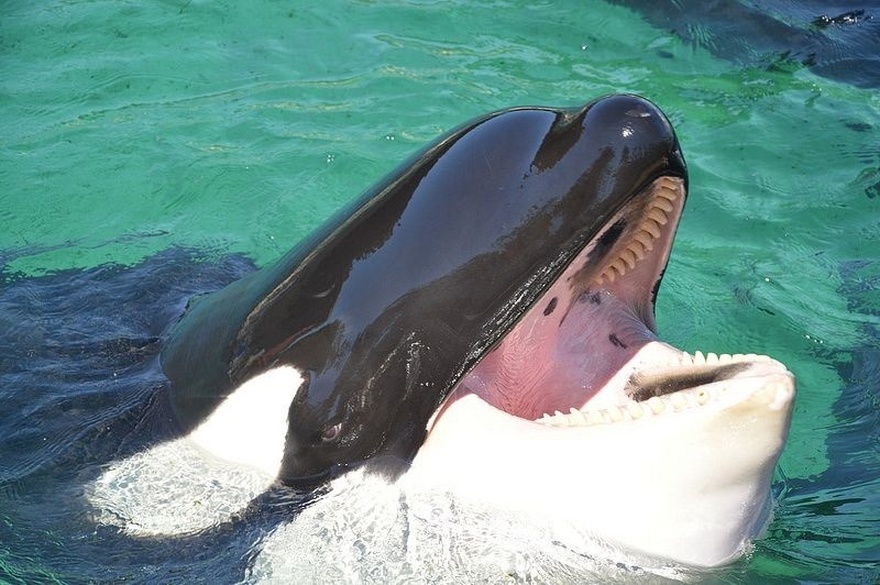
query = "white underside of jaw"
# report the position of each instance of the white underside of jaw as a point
(690, 482)
(682, 473)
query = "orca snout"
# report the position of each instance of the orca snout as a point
(638, 131)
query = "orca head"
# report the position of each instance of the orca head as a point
(435, 267)
(515, 260)
(486, 312)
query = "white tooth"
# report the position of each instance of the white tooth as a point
(637, 250)
(629, 256)
(595, 417)
(578, 417)
(702, 396)
(610, 275)
(711, 358)
(656, 405)
(620, 266)
(645, 239)
(679, 401)
(615, 414)
(658, 216)
(725, 358)
(663, 204)
(699, 358)
(667, 193)
(652, 228)
(685, 359)
(635, 410)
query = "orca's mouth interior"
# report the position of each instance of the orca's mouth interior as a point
(587, 351)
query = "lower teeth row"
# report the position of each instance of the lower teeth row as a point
(633, 411)
(655, 405)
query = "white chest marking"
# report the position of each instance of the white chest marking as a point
(250, 426)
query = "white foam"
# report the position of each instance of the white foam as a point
(172, 489)
(369, 531)
(196, 482)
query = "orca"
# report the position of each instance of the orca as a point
(485, 315)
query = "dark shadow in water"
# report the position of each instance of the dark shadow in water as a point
(839, 40)
(80, 386)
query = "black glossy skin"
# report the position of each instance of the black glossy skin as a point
(395, 298)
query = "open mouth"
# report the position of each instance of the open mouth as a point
(587, 352)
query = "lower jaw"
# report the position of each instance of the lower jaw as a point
(661, 380)
(689, 484)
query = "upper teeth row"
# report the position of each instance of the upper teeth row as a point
(648, 231)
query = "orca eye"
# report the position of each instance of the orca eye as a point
(331, 433)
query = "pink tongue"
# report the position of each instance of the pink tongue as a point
(559, 360)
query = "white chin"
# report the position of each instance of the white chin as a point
(684, 476)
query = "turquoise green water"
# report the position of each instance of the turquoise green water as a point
(129, 128)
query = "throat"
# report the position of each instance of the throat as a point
(559, 360)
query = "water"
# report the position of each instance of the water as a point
(155, 150)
